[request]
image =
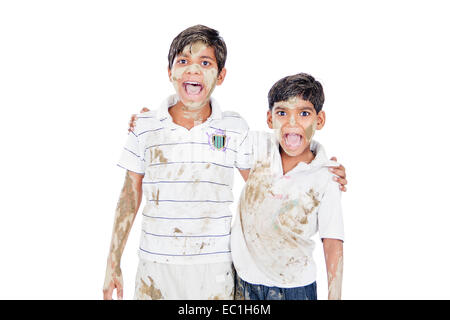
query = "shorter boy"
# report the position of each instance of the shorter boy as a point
(290, 194)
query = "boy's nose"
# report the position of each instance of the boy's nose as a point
(194, 68)
(292, 121)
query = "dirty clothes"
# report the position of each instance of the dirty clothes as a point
(188, 180)
(279, 213)
(184, 249)
(157, 281)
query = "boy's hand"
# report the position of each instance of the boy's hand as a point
(340, 175)
(113, 280)
(132, 122)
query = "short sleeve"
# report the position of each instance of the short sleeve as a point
(244, 152)
(260, 145)
(330, 218)
(131, 158)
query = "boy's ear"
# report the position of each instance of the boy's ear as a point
(170, 73)
(269, 119)
(221, 76)
(320, 120)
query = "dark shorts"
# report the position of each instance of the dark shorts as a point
(248, 291)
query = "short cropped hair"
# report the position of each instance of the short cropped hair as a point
(199, 33)
(302, 85)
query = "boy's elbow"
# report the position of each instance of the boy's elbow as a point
(332, 244)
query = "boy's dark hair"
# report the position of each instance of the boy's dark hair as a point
(199, 33)
(303, 85)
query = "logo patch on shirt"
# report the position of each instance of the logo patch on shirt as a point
(218, 140)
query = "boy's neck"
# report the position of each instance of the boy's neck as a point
(290, 162)
(188, 118)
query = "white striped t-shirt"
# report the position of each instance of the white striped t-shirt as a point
(188, 180)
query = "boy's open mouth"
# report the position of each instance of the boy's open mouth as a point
(192, 87)
(292, 140)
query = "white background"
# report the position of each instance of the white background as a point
(73, 72)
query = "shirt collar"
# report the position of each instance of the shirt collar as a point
(163, 111)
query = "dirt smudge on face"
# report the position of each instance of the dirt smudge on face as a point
(196, 47)
(310, 130)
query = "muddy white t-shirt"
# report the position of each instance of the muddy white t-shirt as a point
(188, 180)
(278, 214)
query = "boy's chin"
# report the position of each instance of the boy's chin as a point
(292, 152)
(194, 104)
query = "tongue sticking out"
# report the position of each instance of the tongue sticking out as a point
(193, 89)
(292, 140)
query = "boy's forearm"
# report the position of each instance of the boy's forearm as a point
(127, 207)
(333, 250)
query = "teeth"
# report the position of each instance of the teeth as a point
(193, 83)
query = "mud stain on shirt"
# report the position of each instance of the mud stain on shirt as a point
(176, 230)
(156, 155)
(155, 197)
(258, 184)
(149, 290)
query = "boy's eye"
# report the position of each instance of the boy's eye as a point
(205, 63)
(182, 61)
(304, 113)
(281, 113)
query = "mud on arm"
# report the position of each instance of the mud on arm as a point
(127, 207)
(333, 250)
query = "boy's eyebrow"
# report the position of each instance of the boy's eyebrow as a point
(300, 108)
(207, 57)
(182, 55)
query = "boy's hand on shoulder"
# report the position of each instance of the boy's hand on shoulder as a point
(340, 175)
(132, 122)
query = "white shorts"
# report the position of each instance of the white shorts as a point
(214, 281)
